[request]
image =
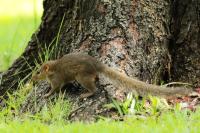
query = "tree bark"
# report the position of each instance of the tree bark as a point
(184, 46)
(150, 40)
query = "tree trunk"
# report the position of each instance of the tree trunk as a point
(153, 40)
(185, 42)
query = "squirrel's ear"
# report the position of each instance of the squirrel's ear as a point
(46, 68)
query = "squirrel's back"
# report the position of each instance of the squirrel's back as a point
(92, 64)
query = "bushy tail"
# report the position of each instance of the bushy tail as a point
(139, 86)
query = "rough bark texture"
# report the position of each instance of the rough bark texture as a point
(185, 43)
(150, 40)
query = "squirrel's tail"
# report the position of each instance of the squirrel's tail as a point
(139, 86)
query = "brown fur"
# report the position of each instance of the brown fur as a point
(84, 69)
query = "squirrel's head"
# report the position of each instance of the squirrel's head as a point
(42, 73)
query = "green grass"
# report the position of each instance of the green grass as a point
(178, 122)
(52, 118)
(15, 33)
(18, 21)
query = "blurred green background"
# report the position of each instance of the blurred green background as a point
(18, 21)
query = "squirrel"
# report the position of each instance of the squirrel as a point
(84, 69)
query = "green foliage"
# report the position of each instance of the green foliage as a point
(48, 52)
(133, 105)
(56, 110)
(13, 103)
(169, 122)
(52, 117)
(126, 107)
(17, 24)
(15, 33)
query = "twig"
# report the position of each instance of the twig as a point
(178, 83)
